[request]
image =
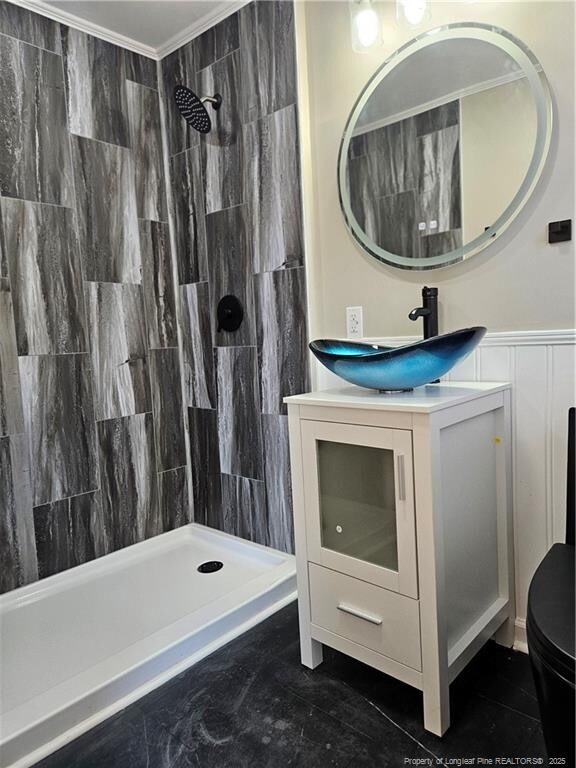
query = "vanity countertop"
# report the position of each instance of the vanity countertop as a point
(427, 399)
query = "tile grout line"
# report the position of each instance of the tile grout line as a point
(172, 469)
(140, 85)
(167, 172)
(67, 498)
(368, 701)
(34, 45)
(40, 202)
(407, 733)
(506, 706)
(82, 298)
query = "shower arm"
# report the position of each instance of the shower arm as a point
(215, 100)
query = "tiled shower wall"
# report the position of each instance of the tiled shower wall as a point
(238, 230)
(92, 451)
(404, 182)
(92, 435)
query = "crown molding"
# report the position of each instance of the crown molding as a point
(196, 29)
(181, 38)
(460, 93)
(70, 20)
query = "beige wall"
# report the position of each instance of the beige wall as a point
(519, 282)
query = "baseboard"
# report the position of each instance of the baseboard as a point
(520, 640)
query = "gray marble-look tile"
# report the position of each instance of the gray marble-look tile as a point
(272, 190)
(141, 69)
(158, 284)
(239, 429)
(68, 533)
(216, 42)
(129, 739)
(59, 419)
(382, 165)
(189, 216)
(357, 146)
(397, 224)
(280, 534)
(167, 408)
(128, 480)
(387, 160)
(29, 27)
(3, 254)
(146, 144)
(11, 413)
(244, 511)
(178, 68)
(106, 211)
(230, 270)
(253, 720)
(282, 342)
(205, 464)
(95, 75)
(173, 499)
(410, 154)
(252, 704)
(198, 353)
(222, 149)
(440, 202)
(437, 118)
(226, 37)
(46, 278)
(35, 157)
(363, 189)
(438, 152)
(267, 42)
(118, 348)
(17, 550)
(441, 243)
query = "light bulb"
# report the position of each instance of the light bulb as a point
(413, 10)
(365, 25)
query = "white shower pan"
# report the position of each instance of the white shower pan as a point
(82, 644)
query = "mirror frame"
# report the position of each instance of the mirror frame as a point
(526, 60)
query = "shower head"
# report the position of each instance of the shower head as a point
(192, 107)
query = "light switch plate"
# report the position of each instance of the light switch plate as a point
(354, 323)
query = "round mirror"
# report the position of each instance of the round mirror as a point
(444, 146)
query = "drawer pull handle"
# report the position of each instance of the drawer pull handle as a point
(401, 478)
(359, 614)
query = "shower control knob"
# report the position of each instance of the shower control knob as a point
(229, 314)
(339, 529)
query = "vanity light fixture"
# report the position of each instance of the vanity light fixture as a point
(412, 11)
(365, 24)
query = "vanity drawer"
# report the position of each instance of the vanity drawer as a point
(376, 618)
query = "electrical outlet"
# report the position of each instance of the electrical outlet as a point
(354, 323)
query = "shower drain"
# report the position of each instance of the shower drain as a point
(211, 566)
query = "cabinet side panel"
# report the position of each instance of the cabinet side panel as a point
(469, 452)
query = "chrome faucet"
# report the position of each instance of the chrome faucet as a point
(428, 311)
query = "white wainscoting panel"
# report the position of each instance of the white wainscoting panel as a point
(541, 367)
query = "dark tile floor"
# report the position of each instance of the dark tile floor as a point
(253, 704)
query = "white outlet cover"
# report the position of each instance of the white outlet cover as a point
(354, 323)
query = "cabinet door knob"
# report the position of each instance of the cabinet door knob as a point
(359, 614)
(401, 478)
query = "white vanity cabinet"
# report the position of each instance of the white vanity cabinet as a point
(403, 529)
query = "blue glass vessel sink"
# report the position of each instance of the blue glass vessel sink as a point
(397, 368)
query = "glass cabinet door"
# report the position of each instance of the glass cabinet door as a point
(357, 498)
(359, 502)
